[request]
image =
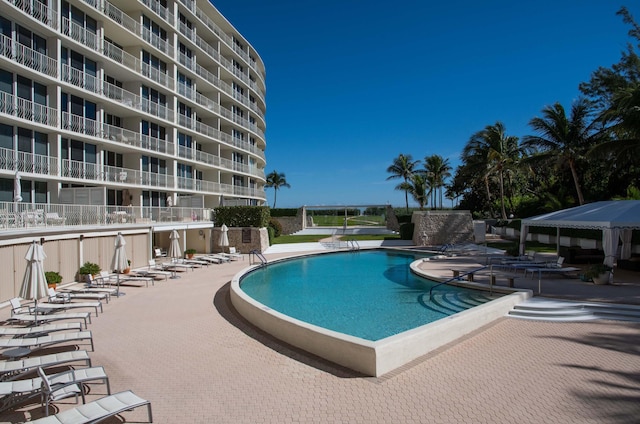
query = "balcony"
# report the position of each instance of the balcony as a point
(27, 216)
(25, 56)
(80, 124)
(135, 139)
(29, 163)
(136, 65)
(28, 110)
(79, 34)
(159, 10)
(39, 11)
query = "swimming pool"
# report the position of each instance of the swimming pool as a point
(370, 357)
(368, 294)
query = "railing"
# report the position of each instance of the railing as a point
(39, 11)
(28, 110)
(80, 34)
(455, 278)
(353, 245)
(25, 216)
(27, 162)
(160, 10)
(80, 79)
(28, 57)
(259, 255)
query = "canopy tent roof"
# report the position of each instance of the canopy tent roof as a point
(620, 214)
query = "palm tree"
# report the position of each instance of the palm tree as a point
(403, 167)
(438, 169)
(566, 140)
(417, 187)
(276, 180)
(491, 152)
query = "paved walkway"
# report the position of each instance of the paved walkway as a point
(181, 345)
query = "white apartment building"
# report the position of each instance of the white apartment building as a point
(140, 104)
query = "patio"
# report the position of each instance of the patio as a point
(180, 345)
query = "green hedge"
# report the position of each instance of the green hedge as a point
(242, 216)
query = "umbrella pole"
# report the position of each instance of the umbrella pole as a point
(35, 310)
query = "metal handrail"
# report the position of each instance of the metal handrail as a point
(260, 256)
(453, 279)
(354, 244)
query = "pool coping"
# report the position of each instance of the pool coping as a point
(365, 356)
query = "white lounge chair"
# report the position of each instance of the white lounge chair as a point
(51, 387)
(46, 308)
(41, 330)
(233, 254)
(34, 343)
(66, 297)
(214, 259)
(98, 410)
(12, 370)
(24, 314)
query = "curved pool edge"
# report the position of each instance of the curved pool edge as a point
(364, 356)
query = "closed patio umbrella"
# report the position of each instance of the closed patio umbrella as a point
(119, 262)
(17, 188)
(34, 284)
(174, 249)
(224, 237)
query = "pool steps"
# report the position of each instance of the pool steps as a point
(561, 310)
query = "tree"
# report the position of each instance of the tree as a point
(491, 153)
(417, 186)
(438, 169)
(565, 140)
(403, 167)
(276, 180)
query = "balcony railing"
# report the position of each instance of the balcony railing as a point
(39, 11)
(80, 34)
(30, 58)
(80, 79)
(132, 138)
(27, 162)
(25, 109)
(26, 216)
(80, 124)
(160, 10)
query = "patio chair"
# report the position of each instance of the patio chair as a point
(90, 289)
(66, 297)
(34, 343)
(23, 314)
(233, 254)
(214, 259)
(50, 387)
(159, 253)
(47, 308)
(41, 330)
(13, 370)
(98, 410)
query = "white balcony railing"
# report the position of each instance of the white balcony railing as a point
(25, 216)
(28, 110)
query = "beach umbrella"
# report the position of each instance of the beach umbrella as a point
(17, 188)
(174, 249)
(119, 262)
(224, 237)
(34, 284)
(169, 201)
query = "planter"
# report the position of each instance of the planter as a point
(602, 278)
(126, 270)
(189, 255)
(52, 285)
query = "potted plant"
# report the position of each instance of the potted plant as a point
(128, 268)
(89, 268)
(53, 278)
(189, 253)
(598, 273)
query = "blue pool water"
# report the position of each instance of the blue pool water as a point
(368, 294)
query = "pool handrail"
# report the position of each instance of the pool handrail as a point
(259, 255)
(457, 277)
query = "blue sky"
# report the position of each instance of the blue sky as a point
(352, 84)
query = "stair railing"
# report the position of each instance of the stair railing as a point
(260, 256)
(456, 278)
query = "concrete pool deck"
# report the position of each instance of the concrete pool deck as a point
(182, 346)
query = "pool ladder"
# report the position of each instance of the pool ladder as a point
(455, 278)
(260, 256)
(353, 245)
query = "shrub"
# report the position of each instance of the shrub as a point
(53, 277)
(596, 270)
(242, 216)
(283, 212)
(277, 227)
(271, 232)
(89, 268)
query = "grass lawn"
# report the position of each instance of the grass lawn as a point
(530, 245)
(315, 238)
(337, 220)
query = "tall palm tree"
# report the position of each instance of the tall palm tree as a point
(438, 169)
(491, 152)
(276, 180)
(403, 167)
(417, 186)
(565, 140)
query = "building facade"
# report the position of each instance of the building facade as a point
(148, 104)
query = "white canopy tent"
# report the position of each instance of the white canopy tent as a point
(616, 218)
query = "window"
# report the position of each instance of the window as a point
(78, 151)
(154, 62)
(78, 17)
(79, 70)
(154, 130)
(110, 119)
(6, 136)
(31, 40)
(111, 80)
(154, 165)
(184, 110)
(113, 159)
(238, 135)
(186, 22)
(184, 140)
(154, 96)
(6, 82)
